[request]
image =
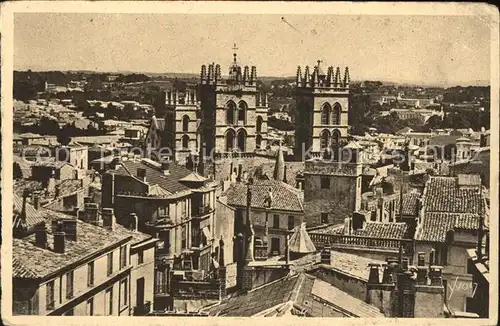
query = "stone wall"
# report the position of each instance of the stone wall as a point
(353, 286)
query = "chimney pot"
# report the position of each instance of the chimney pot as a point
(41, 236)
(108, 218)
(134, 222)
(141, 174)
(373, 277)
(59, 242)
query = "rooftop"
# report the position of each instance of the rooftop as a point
(312, 296)
(31, 261)
(410, 204)
(284, 196)
(170, 183)
(435, 227)
(443, 194)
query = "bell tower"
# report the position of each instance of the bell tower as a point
(322, 102)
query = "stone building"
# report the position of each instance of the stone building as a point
(175, 205)
(85, 266)
(322, 101)
(213, 121)
(332, 187)
(454, 214)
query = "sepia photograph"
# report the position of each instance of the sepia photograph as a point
(249, 160)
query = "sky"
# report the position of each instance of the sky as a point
(441, 50)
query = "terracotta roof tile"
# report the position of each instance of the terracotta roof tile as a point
(382, 230)
(444, 195)
(411, 204)
(34, 262)
(435, 227)
(33, 216)
(154, 176)
(285, 197)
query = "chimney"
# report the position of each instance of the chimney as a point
(432, 257)
(108, 218)
(23, 209)
(134, 222)
(36, 202)
(358, 221)
(51, 183)
(347, 226)
(59, 238)
(326, 256)
(222, 271)
(165, 167)
(374, 277)
(141, 174)
(287, 250)
(41, 235)
(429, 297)
(91, 212)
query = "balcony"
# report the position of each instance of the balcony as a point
(202, 211)
(161, 289)
(322, 240)
(162, 222)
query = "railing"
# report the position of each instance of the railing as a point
(260, 252)
(321, 240)
(161, 288)
(204, 210)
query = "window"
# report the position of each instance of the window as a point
(185, 141)
(325, 183)
(442, 255)
(325, 138)
(184, 237)
(230, 108)
(123, 257)
(60, 289)
(324, 218)
(163, 211)
(230, 136)
(50, 295)
(242, 136)
(258, 141)
(185, 123)
(69, 285)
(258, 125)
(90, 307)
(325, 115)
(140, 257)
(109, 301)
(90, 274)
(291, 222)
(110, 264)
(242, 108)
(336, 114)
(276, 221)
(123, 292)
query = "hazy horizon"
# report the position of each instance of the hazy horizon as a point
(428, 50)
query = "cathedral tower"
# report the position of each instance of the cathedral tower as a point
(322, 105)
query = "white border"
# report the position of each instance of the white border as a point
(338, 8)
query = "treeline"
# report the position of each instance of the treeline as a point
(459, 94)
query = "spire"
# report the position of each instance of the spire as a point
(299, 76)
(210, 72)
(253, 75)
(217, 72)
(307, 77)
(203, 74)
(279, 166)
(337, 78)
(347, 78)
(246, 75)
(316, 76)
(235, 61)
(331, 77)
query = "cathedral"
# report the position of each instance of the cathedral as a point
(322, 101)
